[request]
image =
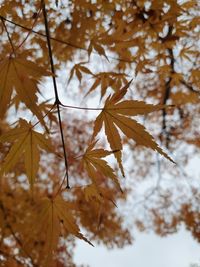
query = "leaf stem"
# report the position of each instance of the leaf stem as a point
(82, 108)
(57, 101)
(46, 114)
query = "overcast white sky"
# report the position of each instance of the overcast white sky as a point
(177, 250)
(148, 250)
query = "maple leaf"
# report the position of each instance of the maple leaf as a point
(135, 38)
(100, 50)
(181, 98)
(114, 117)
(106, 79)
(93, 163)
(77, 69)
(54, 214)
(27, 142)
(23, 75)
(91, 192)
(187, 53)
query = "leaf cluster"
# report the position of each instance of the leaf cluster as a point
(58, 172)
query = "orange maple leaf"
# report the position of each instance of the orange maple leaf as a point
(114, 116)
(22, 75)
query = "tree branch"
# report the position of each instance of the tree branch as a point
(188, 86)
(31, 29)
(57, 101)
(8, 35)
(62, 42)
(167, 95)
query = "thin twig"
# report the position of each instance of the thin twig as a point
(31, 29)
(113, 108)
(46, 114)
(167, 84)
(57, 101)
(64, 42)
(167, 93)
(190, 87)
(155, 188)
(82, 108)
(8, 35)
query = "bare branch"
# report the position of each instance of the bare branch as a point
(57, 101)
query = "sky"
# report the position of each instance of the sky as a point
(148, 249)
(176, 250)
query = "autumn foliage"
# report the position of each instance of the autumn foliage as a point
(81, 83)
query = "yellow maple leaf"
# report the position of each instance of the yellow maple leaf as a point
(77, 69)
(23, 76)
(93, 163)
(96, 46)
(54, 214)
(27, 142)
(182, 98)
(94, 193)
(114, 116)
(107, 79)
(91, 193)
